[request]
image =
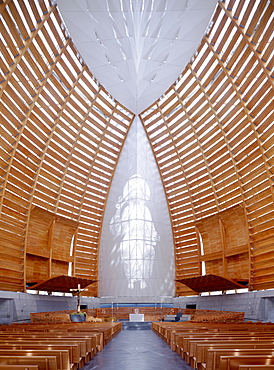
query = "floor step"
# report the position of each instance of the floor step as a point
(136, 325)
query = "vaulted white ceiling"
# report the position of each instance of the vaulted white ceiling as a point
(136, 48)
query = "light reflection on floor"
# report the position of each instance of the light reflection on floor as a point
(137, 350)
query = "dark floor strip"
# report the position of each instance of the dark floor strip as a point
(137, 350)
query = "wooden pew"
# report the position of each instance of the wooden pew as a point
(189, 341)
(44, 362)
(256, 367)
(79, 354)
(62, 356)
(19, 367)
(72, 347)
(200, 353)
(167, 330)
(190, 350)
(214, 355)
(82, 340)
(104, 331)
(185, 339)
(233, 362)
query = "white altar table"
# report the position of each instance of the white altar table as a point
(136, 317)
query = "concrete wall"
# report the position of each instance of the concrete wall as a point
(16, 307)
(258, 306)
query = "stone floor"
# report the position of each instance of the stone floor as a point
(137, 350)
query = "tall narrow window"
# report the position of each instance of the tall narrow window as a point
(136, 251)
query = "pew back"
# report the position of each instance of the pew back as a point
(62, 356)
(233, 363)
(213, 355)
(44, 363)
(19, 367)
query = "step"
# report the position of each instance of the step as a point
(136, 325)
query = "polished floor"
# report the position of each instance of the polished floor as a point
(137, 350)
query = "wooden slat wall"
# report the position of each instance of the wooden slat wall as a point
(212, 137)
(61, 136)
(225, 243)
(49, 244)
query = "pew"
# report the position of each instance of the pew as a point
(201, 348)
(44, 362)
(106, 331)
(231, 341)
(82, 351)
(72, 347)
(189, 341)
(193, 341)
(214, 355)
(85, 341)
(256, 367)
(98, 334)
(62, 356)
(233, 362)
(81, 341)
(19, 367)
(183, 340)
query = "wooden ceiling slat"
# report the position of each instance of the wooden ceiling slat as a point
(261, 28)
(267, 55)
(268, 97)
(240, 49)
(12, 29)
(256, 17)
(11, 50)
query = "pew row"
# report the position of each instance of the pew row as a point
(54, 347)
(218, 346)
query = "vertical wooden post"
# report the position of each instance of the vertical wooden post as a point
(223, 239)
(50, 240)
(74, 252)
(199, 251)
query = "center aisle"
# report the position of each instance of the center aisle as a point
(137, 350)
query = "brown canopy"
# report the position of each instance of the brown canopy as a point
(211, 283)
(62, 284)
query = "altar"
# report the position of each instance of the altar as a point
(136, 317)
